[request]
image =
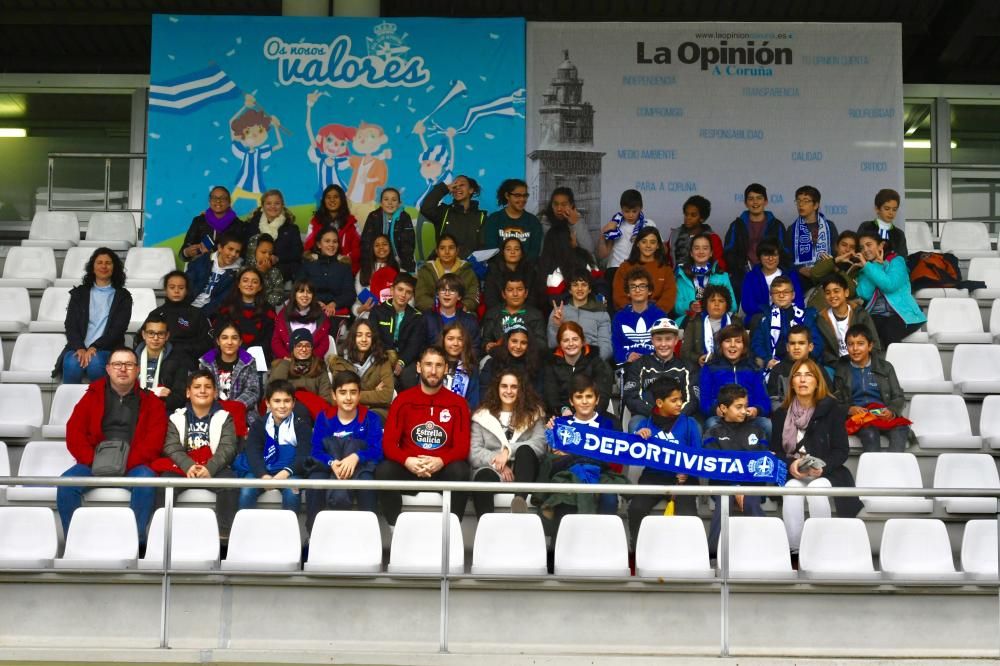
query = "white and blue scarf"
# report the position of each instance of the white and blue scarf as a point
(457, 381)
(708, 335)
(798, 317)
(804, 250)
(883, 228)
(284, 435)
(699, 277)
(618, 219)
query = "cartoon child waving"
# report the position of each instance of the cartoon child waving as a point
(250, 126)
(328, 149)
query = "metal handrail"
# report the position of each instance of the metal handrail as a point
(960, 166)
(107, 157)
(447, 487)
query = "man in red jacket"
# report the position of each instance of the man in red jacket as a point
(426, 436)
(115, 408)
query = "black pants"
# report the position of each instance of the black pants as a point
(392, 500)
(641, 505)
(892, 329)
(226, 500)
(525, 471)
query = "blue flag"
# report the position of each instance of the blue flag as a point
(626, 449)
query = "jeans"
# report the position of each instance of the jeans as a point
(290, 499)
(73, 373)
(751, 507)
(340, 500)
(871, 438)
(69, 498)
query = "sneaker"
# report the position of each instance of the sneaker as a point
(519, 505)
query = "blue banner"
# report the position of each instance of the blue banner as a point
(296, 104)
(626, 449)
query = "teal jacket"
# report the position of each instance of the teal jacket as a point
(893, 280)
(686, 291)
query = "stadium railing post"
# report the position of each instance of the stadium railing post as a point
(168, 520)
(445, 566)
(723, 557)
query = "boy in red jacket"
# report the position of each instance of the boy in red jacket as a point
(426, 436)
(114, 407)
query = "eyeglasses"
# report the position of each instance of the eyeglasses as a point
(782, 292)
(447, 290)
(155, 334)
(123, 365)
(804, 374)
(519, 195)
(638, 287)
(804, 200)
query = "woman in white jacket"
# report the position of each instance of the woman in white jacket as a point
(508, 438)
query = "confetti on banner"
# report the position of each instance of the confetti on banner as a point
(205, 173)
(482, 172)
(430, 88)
(179, 202)
(494, 35)
(489, 136)
(216, 123)
(231, 52)
(224, 160)
(469, 147)
(482, 78)
(397, 129)
(396, 98)
(173, 19)
(172, 56)
(411, 109)
(159, 201)
(188, 147)
(154, 135)
(239, 40)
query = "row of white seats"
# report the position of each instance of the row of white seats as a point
(348, 542)
(35, 267)
(875, 470)
(975, 368)
(966, 240)
(954, 321)
(61, 230)
(15, 309)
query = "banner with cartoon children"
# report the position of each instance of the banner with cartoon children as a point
(299, 104)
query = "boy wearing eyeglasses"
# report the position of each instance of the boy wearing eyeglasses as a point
(162, 369)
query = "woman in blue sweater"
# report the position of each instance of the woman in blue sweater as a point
(732, 365)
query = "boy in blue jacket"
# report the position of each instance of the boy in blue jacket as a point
(277, 446)
(212, 275)
(345, 445)
(669, 424)
(732, 365)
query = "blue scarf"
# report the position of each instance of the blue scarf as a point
(617, 231)
(621, 447)
(806, 252)
(458, 382)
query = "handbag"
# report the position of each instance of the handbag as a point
(110, 458)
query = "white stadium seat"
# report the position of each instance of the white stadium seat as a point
(40, 458)
(835, 547)
(967, 470)
(883, 469)
(33, 358)
(591, 545)
(989, 421)
(979, 549)
(101, 538)
(672, 547)
(955, 321)
(51, 311)
(74, 266)
(345, 542)
(975, 369)
(758, 548)
(918, 237)
(264, 540)
(28, 537)
(20, 410)
(194, 540)
(55, 229)
(143, 302)
(31, 267)
(916, 548)
(15, 309)
(995, 320)
(942, 422)
(416, 544)
(509, 544)
(966, 240)
(113, 230)
(146, 266)
(918, 368)
(63, 402)
(985, 269)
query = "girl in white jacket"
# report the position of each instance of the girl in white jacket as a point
(508, 438)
